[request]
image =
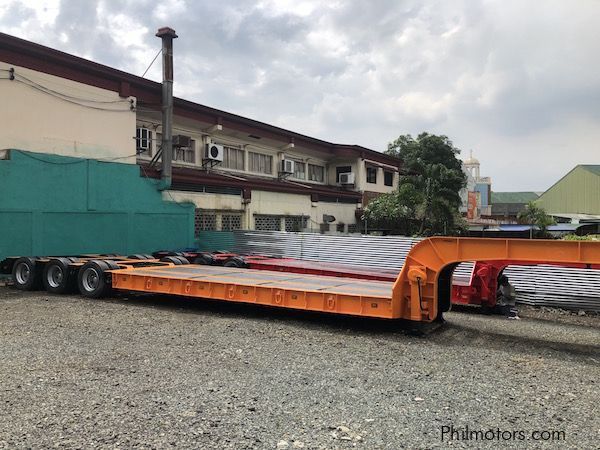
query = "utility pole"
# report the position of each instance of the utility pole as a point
(167, 35)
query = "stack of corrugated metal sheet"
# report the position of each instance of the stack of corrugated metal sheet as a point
(564, 287)
(370, 251)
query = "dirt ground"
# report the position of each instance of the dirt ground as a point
(153, 372)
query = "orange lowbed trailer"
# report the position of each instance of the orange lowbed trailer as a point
(421, 293)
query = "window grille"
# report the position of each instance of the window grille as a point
(340, 227)
(230, 222)
(352, 228)
(205, 221)
(267, 223)
(295, 223)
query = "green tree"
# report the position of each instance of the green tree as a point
(536, 215)
(428, 195)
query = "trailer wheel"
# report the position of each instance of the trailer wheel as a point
(235, 261)
(205, 259)
(139, 256)
(27, 274)
(92, 280)
(172, 259)
(183, 260)
(112, 265)
(57, 276)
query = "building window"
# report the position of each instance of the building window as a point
(264, 222)
(259, 163)
(340, 227)
(185, 154)
(341, 169)
(299, 170)
(143, 141)
(316, 173)
(233, 158)
(295, 223)
(351, 228)
(230, 222)
(388, 178)
(371, 174)
(205, 221)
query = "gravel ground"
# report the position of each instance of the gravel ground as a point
(156, 373)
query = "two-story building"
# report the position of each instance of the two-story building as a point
(238, 172)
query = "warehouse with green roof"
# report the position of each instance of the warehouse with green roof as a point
(576, 195)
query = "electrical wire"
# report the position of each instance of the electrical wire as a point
(67, 95)
(146, 71)
(66, 163)
(184, 205)
(68, 100)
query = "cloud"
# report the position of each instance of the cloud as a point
(516, 81)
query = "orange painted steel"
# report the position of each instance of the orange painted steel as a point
(415, 295)
(416, 292)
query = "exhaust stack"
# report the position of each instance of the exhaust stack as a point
(167, 35)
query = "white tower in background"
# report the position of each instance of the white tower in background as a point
(472, 166)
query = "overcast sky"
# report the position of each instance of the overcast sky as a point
(516, 81)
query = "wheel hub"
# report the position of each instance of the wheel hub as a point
(90, 279)
(55, 276)
(22, 273)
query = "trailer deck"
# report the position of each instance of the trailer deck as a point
(289, 290)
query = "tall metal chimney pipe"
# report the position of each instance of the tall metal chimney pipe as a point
(167, 35)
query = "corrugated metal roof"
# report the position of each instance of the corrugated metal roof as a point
(514, 197)
(578, 192)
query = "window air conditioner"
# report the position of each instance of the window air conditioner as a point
(179, 140)
(287, 166)
(213, 152)
(347, 178)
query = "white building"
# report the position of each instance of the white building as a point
(88, 110)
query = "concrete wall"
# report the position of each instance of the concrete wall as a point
(264, 202)
(73, 120)
(53, 205)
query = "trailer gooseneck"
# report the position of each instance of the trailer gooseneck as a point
(421, 292)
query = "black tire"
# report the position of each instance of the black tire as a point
(58, 277)
(174, 254)
(183, 260)
(172, 259)
(235, 261)
(205, 259)
(139, 256)
(27, 274)
(92, 281)
(112, 265)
